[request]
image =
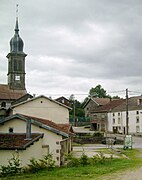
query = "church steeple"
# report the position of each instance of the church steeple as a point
(16, 61)
(16, 43)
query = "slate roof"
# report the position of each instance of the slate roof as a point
(17, 141)
(9, 94)
(109, 106)
(98, 101)
(42, 123)
(132, 104)
(101, 101)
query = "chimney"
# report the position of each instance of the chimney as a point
(28, 129)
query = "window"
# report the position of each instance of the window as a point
(137, 112)
(11, 130)
(119, 120)
(3, 104)
(95, 116)
(63, 101)
(139, 102)
(17, 65)
(119, 114)
(137, 119)
(113, 121)
(137, 129)
(113, 114)
(103, 116)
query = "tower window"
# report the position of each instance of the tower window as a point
(17, 65)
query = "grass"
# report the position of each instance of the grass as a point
(88, 172)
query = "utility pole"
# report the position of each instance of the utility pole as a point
(74, 118)
(74, 113)
(127, 118)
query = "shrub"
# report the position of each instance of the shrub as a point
(36, 165)
(12, 168)
(98, 134)
(47, 162)
(71, 161)
(99, 158)
(84, 160)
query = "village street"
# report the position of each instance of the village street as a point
(92, 149)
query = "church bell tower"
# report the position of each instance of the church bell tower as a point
(16, 61)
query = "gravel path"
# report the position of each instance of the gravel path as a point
(128, 175)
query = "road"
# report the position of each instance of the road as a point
(137, 141)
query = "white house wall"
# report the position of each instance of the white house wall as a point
(120, 121)
(44, 108)
(50, 139)
(34, 151)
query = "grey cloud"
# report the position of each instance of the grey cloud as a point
(86, 42)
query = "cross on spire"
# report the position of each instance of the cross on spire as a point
(17, 5)
(16, 26)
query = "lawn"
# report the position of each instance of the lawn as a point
(89, 172)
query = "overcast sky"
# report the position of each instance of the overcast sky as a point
(73, 45)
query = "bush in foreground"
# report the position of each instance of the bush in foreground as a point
(84, 160)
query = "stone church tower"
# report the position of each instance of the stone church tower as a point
(16, 62)
(14, 91)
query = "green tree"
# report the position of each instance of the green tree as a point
(79, 111)
(99, 92)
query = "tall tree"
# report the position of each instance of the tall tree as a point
(98, 91)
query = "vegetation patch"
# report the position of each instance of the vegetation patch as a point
(85, 168)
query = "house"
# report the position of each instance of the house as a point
(64, 100)
(25, 97)
(117, 117)
(92, 104)
(99, 120)
(33, 137)
(43, 107)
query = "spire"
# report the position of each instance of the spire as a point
(16, 26)
(16, 43)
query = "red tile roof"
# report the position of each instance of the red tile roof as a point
(66, 127)
(9, 94)
(17, 141)
(61, 127)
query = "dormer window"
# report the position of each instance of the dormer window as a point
(139, 102)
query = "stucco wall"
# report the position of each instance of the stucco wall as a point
(44, 108)
(120, 121)
(34, 151)
(50, 138)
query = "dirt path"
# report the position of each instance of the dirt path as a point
(128, 175)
